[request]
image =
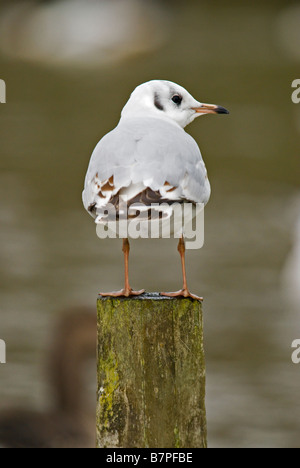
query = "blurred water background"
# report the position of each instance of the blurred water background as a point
(242, 55)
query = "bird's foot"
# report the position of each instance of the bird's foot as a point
(182, 293)
(126, 292)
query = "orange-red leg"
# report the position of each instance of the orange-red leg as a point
(127, 291)
(184, 292)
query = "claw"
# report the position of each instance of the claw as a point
(123, 293)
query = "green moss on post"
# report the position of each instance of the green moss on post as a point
(151, 373)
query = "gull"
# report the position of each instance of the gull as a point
(150, 158)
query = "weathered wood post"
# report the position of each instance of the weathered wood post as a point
(151, 373)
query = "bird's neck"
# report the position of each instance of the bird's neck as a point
(144, 116)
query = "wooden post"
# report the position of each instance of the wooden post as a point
(151, 373)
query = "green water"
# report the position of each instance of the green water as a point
(228, 53)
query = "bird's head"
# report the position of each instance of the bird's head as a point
(169, 101)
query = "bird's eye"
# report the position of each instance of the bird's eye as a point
(177, 99)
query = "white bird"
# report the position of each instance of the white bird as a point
(149, 158)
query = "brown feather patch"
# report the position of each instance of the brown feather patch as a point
(171, 190)
(91, 208)
(107, 187)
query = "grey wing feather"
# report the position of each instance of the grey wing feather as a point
(152, 152)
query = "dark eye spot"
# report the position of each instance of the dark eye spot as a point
(157, 102)
(177, 99)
